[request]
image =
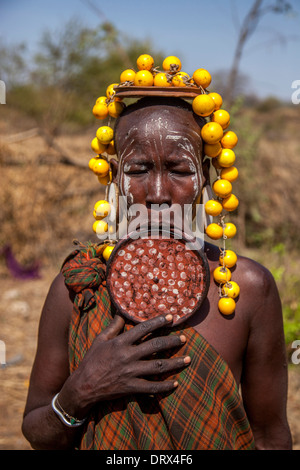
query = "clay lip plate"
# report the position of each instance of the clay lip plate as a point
(147, 277)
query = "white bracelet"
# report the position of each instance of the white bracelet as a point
(65, 417)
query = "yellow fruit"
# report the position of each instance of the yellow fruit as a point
(215, 164)
(97, 146)
(100, 227)
(110, 91)
(180, 79)
(229, 230)
(217, 100)
(202, 78)
(91, 162)
(105, 134)
(228, 258)
(222, 274)
(214, 231)
(229, 140)
(213, 207)
(101, 100)
(127, 76)
(230, 174)
(97, 217)
(226, 305)
(222, 188)
(105, 180)
(231, 289)
(107, 252)
(230, 203)
(226, 158)
(102, 208)
(100, 111)
(172, 64)
(115, 108)
(161, 79)
(101, 167)
(143, 78)
(111, 148)
(203, 105)
(212, 150)
(222, 117)
(145, 62)
(211, 132)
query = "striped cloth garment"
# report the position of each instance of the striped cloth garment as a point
(205, 411)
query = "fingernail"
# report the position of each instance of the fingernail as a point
(182, 338)
(187, 360)
(175, 384)
(169, 317)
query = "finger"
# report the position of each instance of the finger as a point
(161, 343)
(153, 387)
(145, 327)
(160, 366)
(113, 329)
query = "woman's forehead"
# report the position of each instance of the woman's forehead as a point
(173, 125)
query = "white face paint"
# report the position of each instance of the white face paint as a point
(152, 139)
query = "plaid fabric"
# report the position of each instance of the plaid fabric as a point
(204, 412)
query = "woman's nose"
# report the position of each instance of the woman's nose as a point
(158, 191)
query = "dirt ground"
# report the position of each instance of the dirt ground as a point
(20, 306)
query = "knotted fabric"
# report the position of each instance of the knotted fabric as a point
(205, 411)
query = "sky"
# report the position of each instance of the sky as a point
(202, 33)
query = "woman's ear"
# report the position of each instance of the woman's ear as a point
(114, 164)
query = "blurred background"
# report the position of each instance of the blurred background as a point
(56, 58)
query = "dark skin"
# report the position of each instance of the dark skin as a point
(160, 154)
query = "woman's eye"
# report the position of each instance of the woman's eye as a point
(136, 170)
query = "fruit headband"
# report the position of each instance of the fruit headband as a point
(218, 145)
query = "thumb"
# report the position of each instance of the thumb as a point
(113, 329)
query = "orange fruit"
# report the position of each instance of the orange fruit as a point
(180, 79)
(203, 105)
(222, 188)
(202, 78)
(107, 251)
(101, 167)
(110, 90)
(127, 76)
(97, 146)
(211, 132)
(212, 150)
(115, 108)
(228, 258)
(229, 140)
(222, 274)
(91, 163)
(226, 305)
(145, 62)
(226, 158)
(100, 111)
(161, 79)
(105, 134)
(171, 63)
(214, 231)
(222, 117)
(213, 207)
(230, 203)
(100, 227)
(111, 148)
(229, 230)
(230, 174)
(101, 100)
(231, 289)
(217, 100)
(143, 78)
(102, 208)
(105, 180)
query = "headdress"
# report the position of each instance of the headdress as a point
(218, 142)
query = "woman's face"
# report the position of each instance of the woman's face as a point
(159, 150)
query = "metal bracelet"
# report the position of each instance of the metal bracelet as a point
(65, 417)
